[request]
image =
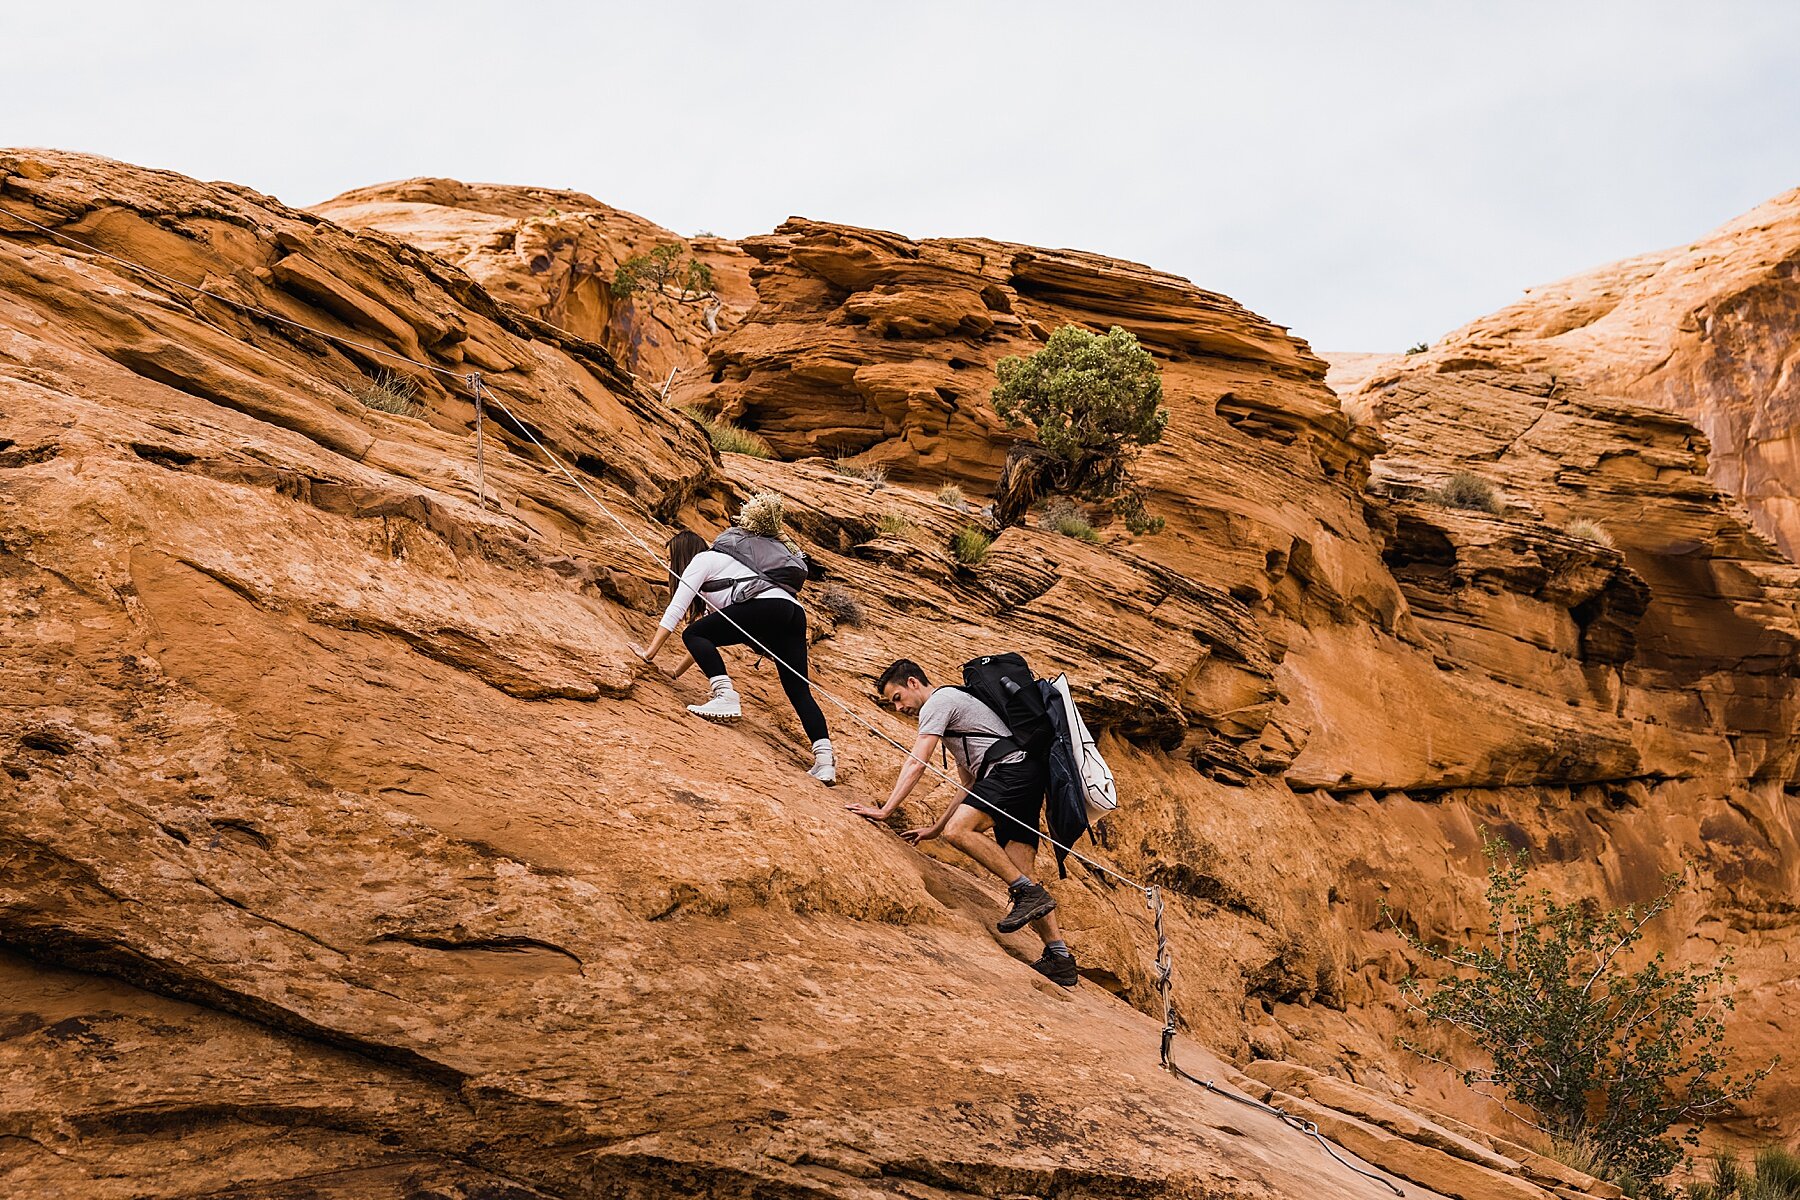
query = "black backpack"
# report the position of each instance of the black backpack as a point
(1005, 684)
(775, 565)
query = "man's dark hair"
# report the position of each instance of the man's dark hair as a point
(900, 672)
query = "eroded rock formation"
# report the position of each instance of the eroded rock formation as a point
(1709, 330)
(554, 254)
(345, 852)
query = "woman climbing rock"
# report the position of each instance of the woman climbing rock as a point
(749, 578)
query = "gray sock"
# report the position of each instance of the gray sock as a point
(1058, 947)
(1021, 881)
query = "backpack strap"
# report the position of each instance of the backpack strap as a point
(719, 585)
(1005, 745)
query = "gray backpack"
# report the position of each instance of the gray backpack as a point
(775, 565)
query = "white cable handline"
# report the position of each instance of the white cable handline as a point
(1152, 892)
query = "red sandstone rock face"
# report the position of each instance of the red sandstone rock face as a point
(872, 345)
(554, 254)
(383, 871)
(1710, 330)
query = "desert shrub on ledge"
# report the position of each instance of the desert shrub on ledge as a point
(970, 545)
(1467, 490)
(840, 605)
(876, 475)
(390, 392)
(1588, 531)
(1625, 1062)
(1773, 1175)
(1069, 519)
(728, 438)
(663, 272)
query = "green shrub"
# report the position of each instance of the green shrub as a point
(1468, 490)
(392, 393)
(1091, 396)
(1069, 519)
(1589, 531)
(837, 603)
(1775, 1175)
(875, 474)
(665, 273)
(1606, 1056)
(1130, 507)
(950, 494)
(894, 524)
(728, 438)
(1418, 347)
(1096, 400)
(970, 545)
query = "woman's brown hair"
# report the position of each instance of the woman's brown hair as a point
(682, 549)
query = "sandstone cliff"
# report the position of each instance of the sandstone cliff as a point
(554, 254)
(1709, 330)
(346, 855)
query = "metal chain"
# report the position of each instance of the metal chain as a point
(474, 381)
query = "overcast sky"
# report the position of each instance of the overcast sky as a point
(1370, 174)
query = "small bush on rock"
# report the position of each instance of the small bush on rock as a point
(1069, 519)
(837, 603)
(664, 273)
(970, 545)
(392, 393)
(1465, 489)
(876, 475)
(950, 494)
(1095, 400)
(728, 438)
(1775, 1175)
(1590, 531)
(894, 524)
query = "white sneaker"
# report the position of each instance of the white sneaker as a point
(824, 770)
(723, 707)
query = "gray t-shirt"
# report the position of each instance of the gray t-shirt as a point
(950, 708)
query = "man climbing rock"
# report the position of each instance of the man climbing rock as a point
(1002, 794)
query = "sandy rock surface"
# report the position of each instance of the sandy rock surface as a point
(349, 852)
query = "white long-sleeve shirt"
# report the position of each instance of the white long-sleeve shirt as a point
(708, 566)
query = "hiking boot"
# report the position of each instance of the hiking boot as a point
(723, 706)
(1058, 966)
(1029, 902)
(824, 768)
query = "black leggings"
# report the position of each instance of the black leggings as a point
(781, 628)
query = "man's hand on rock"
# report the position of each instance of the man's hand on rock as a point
(869, 811)
(915, 836)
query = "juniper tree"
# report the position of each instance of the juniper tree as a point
(664, 273)
(1094, 399)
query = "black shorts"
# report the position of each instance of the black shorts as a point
(1013, 794)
